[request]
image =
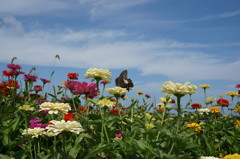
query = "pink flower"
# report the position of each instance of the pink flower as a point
(88, 89)
(13, 66)
(44, 80)
(71, 84)
(30, 78)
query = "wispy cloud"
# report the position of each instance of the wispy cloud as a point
(111, 49)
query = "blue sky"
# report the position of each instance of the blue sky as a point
(156, 40)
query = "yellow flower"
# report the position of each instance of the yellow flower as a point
(214, 109)
(139, 92)
(55, 108)
(237, 123)
(232, 93)
(164, 100)
(149, 126)
(149, 116)
(26, 107)
(237, 110)
(205, 86)
(234, 156)
(105, 102)
(160, 104)
(196, 126)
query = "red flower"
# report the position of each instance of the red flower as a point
(7, 73)
(237, 85)
(37, 88)
(238, 91)
(147, 96)
(113, 111)
(69, 116)
(172, 101)
(196, 105)
(72, 76)
(104, 82)
(30, 78)
(223, 102)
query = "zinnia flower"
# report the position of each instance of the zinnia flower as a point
(214, 109)
(35, 132)
(88, 89)
(237, 85)
(72, 76)
(54, 108)
(208, 157)
(237, 110)
(118, 136)
(117, 91)
(139, 92)
(209, 100)
(105, 82)
(196, 126)
(14, 66)
(223, 102)
(196, 105)
(69, 116)
(7, 73)
(205, 86)
(57, 127)
(98, 74)
(203, 110)
(37, 88)
(232, 93)
(178, 89)
(149, 126)
(26, 107)
(45, 80)
(147, 96)
(30, 78)
(105, 102)
(232, 156)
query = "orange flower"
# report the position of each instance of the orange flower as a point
(214, 109)
(69, 116)
(196, 126)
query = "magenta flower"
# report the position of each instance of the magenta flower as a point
(45, 80)
(13, 66)
(35, 120)
(71, 84)
(16, 72)
(88, 89)
(30, 78)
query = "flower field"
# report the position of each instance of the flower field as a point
(85, 120)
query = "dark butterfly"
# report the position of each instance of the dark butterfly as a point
(123, 81)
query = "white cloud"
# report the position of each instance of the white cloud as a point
(110, 49)
(29, 7)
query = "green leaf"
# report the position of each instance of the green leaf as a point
(75, 149)
(95, 150)
(4, 156)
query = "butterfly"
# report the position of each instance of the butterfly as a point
(123, 81)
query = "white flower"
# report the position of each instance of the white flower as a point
(57, 127)
(203, 110)
(178, 88)
(35, 132)
(54, 108)
(208, 157)
(117, 91)
(105, 102)
(101, 74)
(209, 100)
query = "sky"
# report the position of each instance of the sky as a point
(155, 40)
